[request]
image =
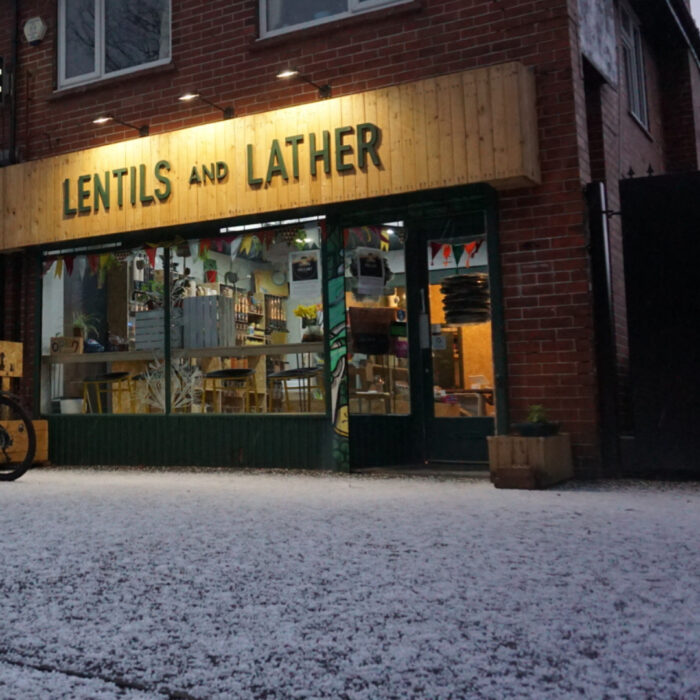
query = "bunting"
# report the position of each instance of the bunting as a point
(151, 255)
(204, 246)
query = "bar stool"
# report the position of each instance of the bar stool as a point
(114, 384)
(229, 383)
(301, 378)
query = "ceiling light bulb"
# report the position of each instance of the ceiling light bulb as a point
(287, 73)
(188, 96)
(102, 120)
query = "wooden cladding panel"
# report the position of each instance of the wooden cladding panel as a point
(476, 126)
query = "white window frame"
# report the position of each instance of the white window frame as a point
(633, 64)
(354, 7)
(99, 72)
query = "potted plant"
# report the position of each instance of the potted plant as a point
(84, 325)
(537, 423)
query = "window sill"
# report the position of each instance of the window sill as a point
(60, 93)
(641, 125)
(260, 44)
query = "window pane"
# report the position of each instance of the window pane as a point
(136, 32)
(103, 332)
(287, 13)
(460, 328)
(245, 299)
(80, 37)
(375, 296)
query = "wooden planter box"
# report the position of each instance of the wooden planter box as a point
(529, 462)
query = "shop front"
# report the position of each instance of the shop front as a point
(316, 287)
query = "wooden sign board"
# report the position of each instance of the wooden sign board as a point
(10, 359)
(476, 126)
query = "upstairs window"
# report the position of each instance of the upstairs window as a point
(279, 16)
(104, 38)
(633, 59)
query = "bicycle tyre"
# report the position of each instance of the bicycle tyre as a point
(13, 465)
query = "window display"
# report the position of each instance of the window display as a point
(245, 326)
(375, 298)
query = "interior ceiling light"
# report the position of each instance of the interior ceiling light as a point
(190, 96)
(324, 90)
(104, 118)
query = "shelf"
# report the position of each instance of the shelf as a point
(146, 355)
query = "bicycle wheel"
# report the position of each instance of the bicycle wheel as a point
(17, 439)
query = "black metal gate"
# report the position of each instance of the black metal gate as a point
(661, 234)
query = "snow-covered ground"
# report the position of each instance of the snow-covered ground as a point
(238, 585)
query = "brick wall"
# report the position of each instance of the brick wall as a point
(18, 288)
(549, 327)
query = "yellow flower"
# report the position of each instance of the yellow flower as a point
(308, 312)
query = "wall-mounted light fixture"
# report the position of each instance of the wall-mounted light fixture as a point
(143, 130)
(323, 90)
(189, 96)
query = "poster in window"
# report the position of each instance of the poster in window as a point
(305, 273)
(370, 271)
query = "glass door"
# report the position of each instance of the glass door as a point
(457, 353)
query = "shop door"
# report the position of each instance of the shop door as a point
(456, 377)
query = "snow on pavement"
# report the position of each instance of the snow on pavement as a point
(282, 585)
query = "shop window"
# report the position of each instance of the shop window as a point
(633, 58)
(102, 38)
(278, 16)
(245, 326)
(103, 331)
(252, 319)
(375, 298)
(460, 327)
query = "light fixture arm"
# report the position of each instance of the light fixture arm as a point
(143, 130)
(324, 91)
(290, 72)
(227, 111)
(189, 96)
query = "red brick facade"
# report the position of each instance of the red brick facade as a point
(545, 262)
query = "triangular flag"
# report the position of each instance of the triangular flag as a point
(383, 239)
(58, 272)
(151, 255)
(434, 249)
(69, 260)
(81, 262)
(94, 262)
(446, 254)
(204, 246)
(235, 245)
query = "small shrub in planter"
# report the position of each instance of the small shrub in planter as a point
(536, 424)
